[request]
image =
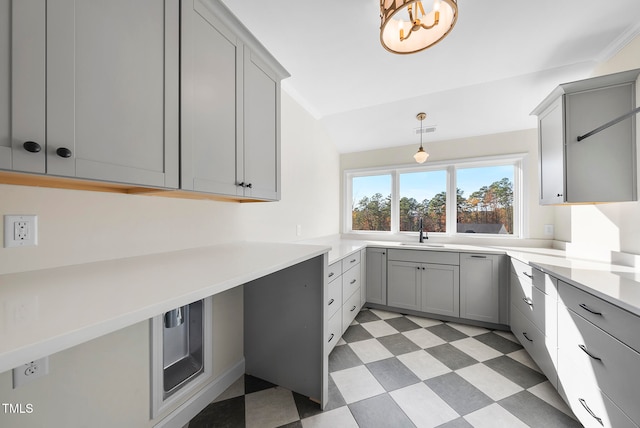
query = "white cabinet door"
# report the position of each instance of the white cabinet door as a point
(376, 277)
(112, 90)
(259, 155)
(480, 287)
(440, 285)
(211, 63)
(404, 287)
(5, 85)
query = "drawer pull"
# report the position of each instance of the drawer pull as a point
(588, 309)
(331, 301)
(528, 301)
(593, 415)
(331, 337)
(353, 281)
(353, 309)
(331, 274)
(524, 333)
(527, 275)
(584, 349)
(479, 257)
(353, 261)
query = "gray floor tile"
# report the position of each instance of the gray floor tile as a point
(342, 357)
(498, 342)
(536, 413)
(305, 406)
(296, 424)
(379, 412)
(451, 356)
(335, 397)
(456, 423)
(403, 324)
(392, 374)
(398, 344)
(356, 333)
(463, 397)
(446, 332)
(225, 414)
(366, 316)
(516, 372)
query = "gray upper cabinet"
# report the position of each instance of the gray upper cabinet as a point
(601, 167)
(104, 76)
(482, 292)
(230, 89)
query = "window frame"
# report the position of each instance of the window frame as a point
(517, 160)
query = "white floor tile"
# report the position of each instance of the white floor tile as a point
(523, 357)
(546, 392)
(469, 330)
(507, 335)
(385, 315)
(423, 338)
(235, 390)
(423, 364)
(476, 349)
(379, 328)
(423, 406)
(423, 322)
(356, 384)
(494, 416)
(340, 417)
(489, 381)
(271, 407)
(370, 350)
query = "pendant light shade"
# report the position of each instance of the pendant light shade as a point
(406, 28)
(421, 156)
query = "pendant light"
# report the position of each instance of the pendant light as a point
(405, 28)
(421, 156)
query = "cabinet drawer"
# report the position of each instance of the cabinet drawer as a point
(350, 283)
(350, 261)
(619, 323)
(350, 310)
(540, 348)
(334, 331)
(601, 360)
(521, 269)
(335, 270)
(545, 283)
(425, 256)
(539, 308)
(334, 301)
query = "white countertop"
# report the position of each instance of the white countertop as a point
(616, 284)
(46, 311)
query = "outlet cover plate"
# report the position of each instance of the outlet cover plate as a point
(20, 231)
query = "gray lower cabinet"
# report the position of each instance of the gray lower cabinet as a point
(405, 285)
(480, 293)
(105, 77)
(230, 142)
(376, 278)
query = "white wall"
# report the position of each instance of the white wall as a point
(525, 141)
(105, 382)
(604, 231)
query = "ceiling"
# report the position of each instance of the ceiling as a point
(500, 60)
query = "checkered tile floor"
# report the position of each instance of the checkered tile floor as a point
(392, 370)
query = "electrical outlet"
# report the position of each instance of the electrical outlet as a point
(30, 371)
(548, 229)
(20, 231)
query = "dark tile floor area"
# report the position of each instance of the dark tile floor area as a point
(394, 370)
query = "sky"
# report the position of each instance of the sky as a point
(426, 184)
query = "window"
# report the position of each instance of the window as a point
(423, 195)
(371, 203)
(487, 198)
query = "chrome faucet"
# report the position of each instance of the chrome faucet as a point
(421, 232)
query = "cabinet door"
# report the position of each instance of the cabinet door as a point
(22, 85)
(480, 287)
(404, 288)
(259, 153)
(112, 90)
(211, 63)
(441, 290)
(551, 146)
(376, 278)
(600, 168)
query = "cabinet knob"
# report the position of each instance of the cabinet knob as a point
(63, 152)
(559, 195)
(32, 146)
(249, 185)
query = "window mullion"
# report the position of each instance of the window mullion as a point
(395, 202)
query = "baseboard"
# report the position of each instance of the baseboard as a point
(194, 405)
